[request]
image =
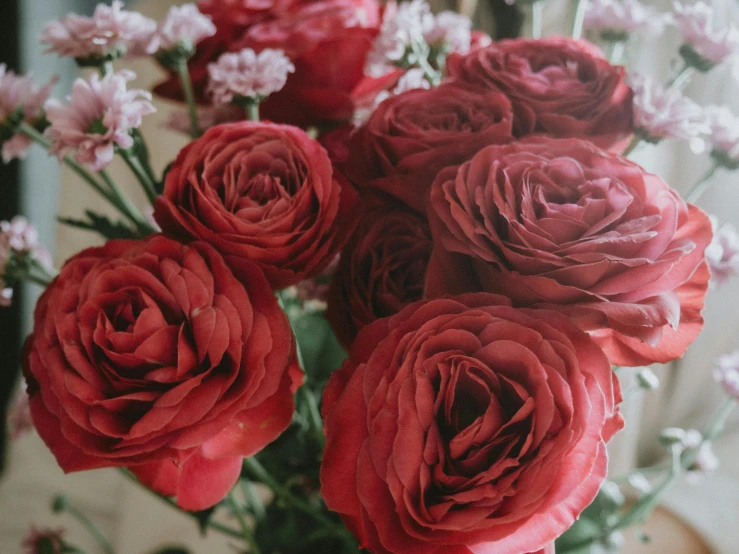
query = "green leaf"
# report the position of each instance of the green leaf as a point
(171, 550)
(582, 530)
(321, 351)
(100, 224)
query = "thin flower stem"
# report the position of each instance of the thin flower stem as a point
(40, 281)
(255, 503)
(537, 18)
(247, 532)
(112, 194)
(106, 68)
(252, 111)
(260, 474)
(212, 524)
(680, 461)
(184, 73)
(91, 528)
(632, 145)
(701, 185)
(581, 6)
(617, 51)
(681, 78)
(133, 162)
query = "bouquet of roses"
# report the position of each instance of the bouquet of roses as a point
(388, 288)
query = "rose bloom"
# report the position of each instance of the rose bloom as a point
(410, 137)
(462, 425)
(566, 85)
(381, 269)
(263, 192)
(167, 359)
(563, 225)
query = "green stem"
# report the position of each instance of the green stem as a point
(617, 51)
(212, 524)
(184, 72)
(132, 160)
(682, 77)
(701, 185)
(260, 474)
(255, 503)
(112, 194)
(632, 146)
(581, 6)
(314, 414)
(252, 110)
(537, 18)
(90, 526)
(106, 68)
(247, 533)
(40, 281)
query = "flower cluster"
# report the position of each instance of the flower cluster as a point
(723, 252)
(726, 373)
(723, 136)
(99, 116)
(20, 251)
(184, 27)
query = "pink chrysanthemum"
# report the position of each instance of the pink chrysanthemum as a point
(621, 18)
(661, 113)
(110, 32)
(403, 26)
(183, 25)
(726, 373)
(100, 116)
(696, 25)
(44, 541)
(723, 253)
(247, 74)
(19, 243)
(451, 30)
(19, 91)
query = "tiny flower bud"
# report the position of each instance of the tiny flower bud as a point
(640, 483)
(647, 379)
(672, 437)
(60, 503)
(612, 494)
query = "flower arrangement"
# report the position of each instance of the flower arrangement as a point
(389, 287)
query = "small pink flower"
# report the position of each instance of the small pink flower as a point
(19, 244)
(111, 31)
(705, 462)
(247, 74)
(20, 422)
(661, 113)
(621, 18)
(696, 25)
(723, 252)
(726, 373)
(724, 134)
(99, 116)
(19, 91)
(452, 30)
(44, 541)
(403, 26)
(183, 24)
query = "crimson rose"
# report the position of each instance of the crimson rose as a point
(565, 85)
(413, 135)
(166, 359)
(464, 426)
(563, 225)
(382, 267)
(259, 191)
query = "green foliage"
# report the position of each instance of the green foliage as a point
(100, 224)
(203, 518)
(321, 352)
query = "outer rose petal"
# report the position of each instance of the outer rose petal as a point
(198, 483)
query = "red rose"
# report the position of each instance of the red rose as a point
(565, 85)
(328, 42)
(166, 359)
(465, 426)
(381, 270)
(563, 225)
(262, 192)
(413, 135)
